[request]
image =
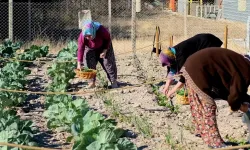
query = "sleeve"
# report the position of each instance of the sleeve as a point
(181, 61)
(168, 69)
(106, 38)
(182, 79)
(171, 74)
(81, 48)
(237, 92)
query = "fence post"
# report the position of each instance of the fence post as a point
(248, 34)
(110, 15)
(11, 19)
(225, 36)
(29, 18)
(201, 9)
(133, 29)
(185, 18)
(138, 5)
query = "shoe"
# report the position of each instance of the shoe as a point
(114, 85)
(198, 135)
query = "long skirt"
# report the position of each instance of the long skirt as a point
(203, 109)
(92, 57)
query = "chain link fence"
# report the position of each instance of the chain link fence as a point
(225, 19)
(59, 21)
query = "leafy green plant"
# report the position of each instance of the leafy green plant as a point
(15, 130)
(72, 46)
(61, 114)
(12, 77)
(65, 55)
(163, 100)
(62, 72)
(8, 48)
(33, 53)
(234, 140)
(86, 69)
(94, 132)
(68, 53)
(103, 82)
(182, 92)
(90, 130)
(55, 99)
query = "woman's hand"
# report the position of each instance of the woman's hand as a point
(166, 87)
(177, 86)
(103, 54)
(79, 65)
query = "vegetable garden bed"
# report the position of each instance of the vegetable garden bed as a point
(83, 127)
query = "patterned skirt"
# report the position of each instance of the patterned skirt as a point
(203, 109)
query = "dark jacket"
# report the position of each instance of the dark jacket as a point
(221, 71)
(190, 46)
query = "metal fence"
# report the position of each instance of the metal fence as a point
(59, 21)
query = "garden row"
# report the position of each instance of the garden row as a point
(89, 129)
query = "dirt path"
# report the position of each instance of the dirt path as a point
(135, 108)
(140, 101)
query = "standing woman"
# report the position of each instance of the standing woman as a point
(175, 57)
(215, 73)
(94, 45)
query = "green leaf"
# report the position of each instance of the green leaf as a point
(94, 146)
(125, 144)
(32, 144)
(106, 136)
(119, 132)
(109, 146)
(69, 139)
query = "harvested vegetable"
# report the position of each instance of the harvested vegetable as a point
(182, 92)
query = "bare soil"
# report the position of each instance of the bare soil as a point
(140, 101)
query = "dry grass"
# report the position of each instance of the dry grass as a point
(170, 24)
(173, 24)
(54, 46)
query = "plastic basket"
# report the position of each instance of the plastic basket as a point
(90, 74)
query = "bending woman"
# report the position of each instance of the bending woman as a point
(94, 45)
(175, 57)
(215, 73)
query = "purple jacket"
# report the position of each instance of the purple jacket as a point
(102, 40)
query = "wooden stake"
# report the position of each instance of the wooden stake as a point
(225, 36)
(157, 41)
(171, 41)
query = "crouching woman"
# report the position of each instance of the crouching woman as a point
(94, 45)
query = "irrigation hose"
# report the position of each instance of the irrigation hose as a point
(85, 92)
